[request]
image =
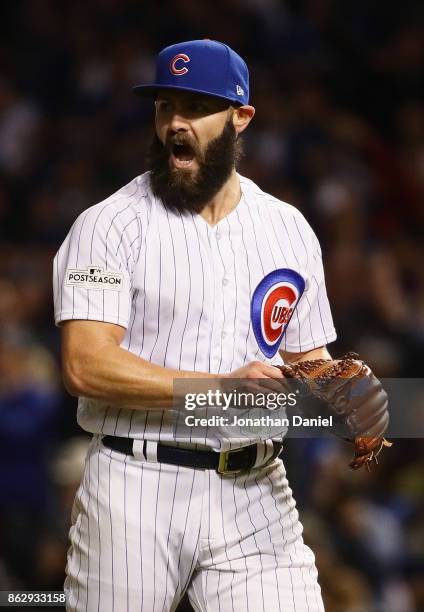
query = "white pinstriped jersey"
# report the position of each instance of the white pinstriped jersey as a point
(182, 289)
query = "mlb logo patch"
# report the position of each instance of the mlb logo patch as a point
(273, 303)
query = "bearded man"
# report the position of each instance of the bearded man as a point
(188, 272)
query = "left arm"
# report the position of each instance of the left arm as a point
(317, 353)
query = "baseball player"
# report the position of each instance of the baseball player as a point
(189, 271)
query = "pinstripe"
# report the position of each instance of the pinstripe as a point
(167, 540)
(185, 528)
(144, 301)
(140, 537)
(319, 306)
(59, 284)
(274, 497)
(100, 212)
(236, 303)
(303, 242)
(76, 263)
(189, 291)
(98, 524)
(193, 561)
(256, 240)
(217, 592)
(159, 296)
(254, 538)
(203, 293)
(250, 283)
(106, 247)
(111, 532)
(56, 265)
(91, 247)
(271, 542)
(125, 528)
(209, 532)
(260, 259)
(88, 531)
(295, 537)
(118, 414)
(135, 218)
(214, 296)
(202, 308)
(240, 539)
(130, 424)
(307, 261)
(79, 548)
(284, 257)
(135, 298)
(267, 240)
(297, 260)
(225, 548)
(155, 538)
(175, 287)
(131, 244)
(318, 291)
(112, 221)
(223, 307)
(277, 507)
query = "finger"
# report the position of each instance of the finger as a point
(251, 385)
(270, 385)
(269, 371)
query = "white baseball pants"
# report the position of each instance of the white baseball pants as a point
(144, 532)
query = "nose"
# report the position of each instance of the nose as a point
(178, 122)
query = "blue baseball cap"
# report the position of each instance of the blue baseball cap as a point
(202, 66)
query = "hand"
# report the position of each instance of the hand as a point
(257, 377)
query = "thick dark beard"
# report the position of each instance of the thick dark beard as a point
(186, 191)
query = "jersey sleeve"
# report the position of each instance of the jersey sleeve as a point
(311, 325)
(93, 269)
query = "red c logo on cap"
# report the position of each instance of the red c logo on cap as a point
(173, 64)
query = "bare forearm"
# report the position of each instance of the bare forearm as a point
(318, 353)
(95, 365)
(117, 375)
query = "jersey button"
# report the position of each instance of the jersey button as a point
(223, 335)
(225, 282)
(218, 235)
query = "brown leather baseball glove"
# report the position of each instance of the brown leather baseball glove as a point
(354, 396)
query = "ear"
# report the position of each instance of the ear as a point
(242, 116)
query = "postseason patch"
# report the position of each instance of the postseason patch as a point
(273, 303)
(94, 278)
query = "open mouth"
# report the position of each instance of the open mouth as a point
(182, 155)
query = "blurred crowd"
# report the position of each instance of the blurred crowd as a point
(339, 133)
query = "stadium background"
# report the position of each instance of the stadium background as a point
(339, 132)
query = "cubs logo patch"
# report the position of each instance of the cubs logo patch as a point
(273, 303)
(181, 57)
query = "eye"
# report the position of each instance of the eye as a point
(197, 107)
(163, 106)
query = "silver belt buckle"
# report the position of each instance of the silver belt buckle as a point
(223, 462)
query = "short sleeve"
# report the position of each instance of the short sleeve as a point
(311, 325)
(93, 269)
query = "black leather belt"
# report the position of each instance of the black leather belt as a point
(229, 462)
